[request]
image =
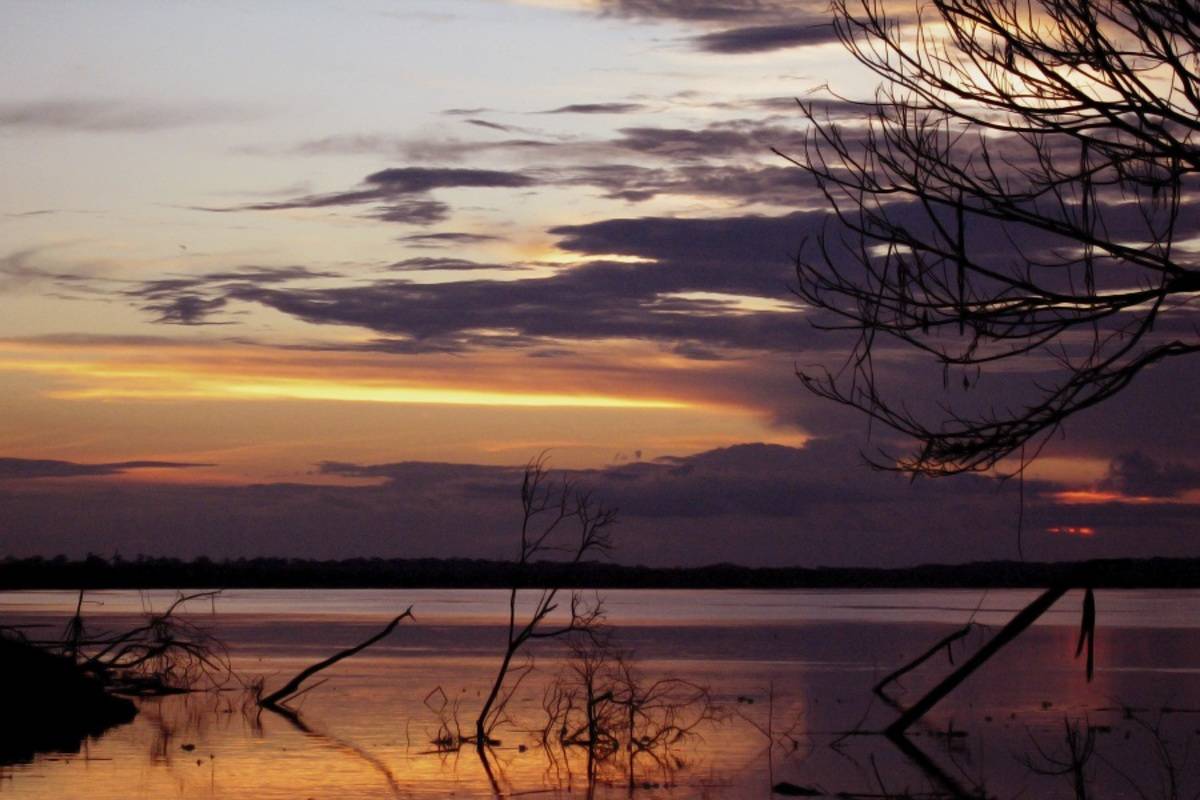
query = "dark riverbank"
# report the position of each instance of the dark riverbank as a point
(50, 704)
(277, 573)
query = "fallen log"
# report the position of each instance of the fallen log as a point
(1016, 625)
(891, 677)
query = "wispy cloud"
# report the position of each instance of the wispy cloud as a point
(107, 116)
(448, 238)
(765, 38)
(29, 468)
(707, 10)
(398, 194)
(597, 108)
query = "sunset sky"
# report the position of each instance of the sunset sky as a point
(312, 278)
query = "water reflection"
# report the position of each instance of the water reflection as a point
(794, 701)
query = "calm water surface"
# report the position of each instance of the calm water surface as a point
(798, 663)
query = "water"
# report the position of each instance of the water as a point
(798, 663)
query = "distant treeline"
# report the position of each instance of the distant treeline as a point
(95, 572)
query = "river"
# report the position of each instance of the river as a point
(798, 664)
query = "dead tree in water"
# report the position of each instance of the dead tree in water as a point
(277, 701)
(602, 705)
(168, 653)
(559, 518)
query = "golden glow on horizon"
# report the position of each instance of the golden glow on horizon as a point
(267, 413)
(257, 373)
(360, 393)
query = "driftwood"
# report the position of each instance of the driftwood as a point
(277, 700)
(962, 633)
(1019, 623)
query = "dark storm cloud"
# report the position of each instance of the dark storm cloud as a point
(29, 468)
(105, 116)
(806, 506)
(597, 108)
(765, 38)
(1137, 474)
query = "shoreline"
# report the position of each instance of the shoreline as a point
(378, 573)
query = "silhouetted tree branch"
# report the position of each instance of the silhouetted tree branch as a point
(558, 518)
(278, 700)
(1015, 198)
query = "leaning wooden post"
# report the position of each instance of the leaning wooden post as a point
(1006, 634)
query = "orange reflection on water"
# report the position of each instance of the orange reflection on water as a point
(1072, 530)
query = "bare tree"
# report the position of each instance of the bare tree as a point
(1017, 196)
(559, 521)
(601, 704)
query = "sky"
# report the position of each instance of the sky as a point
(317, 279)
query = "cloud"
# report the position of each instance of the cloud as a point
(782, 186)
(17, 269)
(412, 212)
(108, 116)
(193, 299)
(809, 505)
(725, 140)
(20, 270)
(705, 10)
(597, 108)
(720, 140)
(426, 263)
(765, 38)
(599, 299)
(448, 238)
(398, 193)
(186, 309)
(495, 126)
(28, 468)
(1136, 474)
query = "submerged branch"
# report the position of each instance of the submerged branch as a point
(279, 698)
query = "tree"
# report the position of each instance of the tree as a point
(1017, 198)
(557, 518)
